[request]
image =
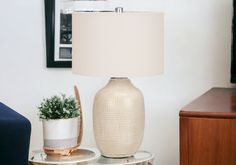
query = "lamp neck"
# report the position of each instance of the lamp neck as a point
(119, 78)
(119, 82)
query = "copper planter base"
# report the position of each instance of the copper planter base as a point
(60, 152)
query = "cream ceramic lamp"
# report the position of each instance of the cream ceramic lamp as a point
(118, 45)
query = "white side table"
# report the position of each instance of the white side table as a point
(89, 156)
(140, 158)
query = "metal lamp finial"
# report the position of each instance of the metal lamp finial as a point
(119, 10)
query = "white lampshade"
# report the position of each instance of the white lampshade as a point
(117, 44)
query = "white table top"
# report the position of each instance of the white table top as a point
(89, 156)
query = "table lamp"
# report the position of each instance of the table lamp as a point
(119, 45)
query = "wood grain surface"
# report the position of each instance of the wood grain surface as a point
(216, 103)
(208, 129)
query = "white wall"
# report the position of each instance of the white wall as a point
(197, 57)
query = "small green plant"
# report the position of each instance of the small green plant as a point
(58, 107)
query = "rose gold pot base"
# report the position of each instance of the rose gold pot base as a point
(60, 152)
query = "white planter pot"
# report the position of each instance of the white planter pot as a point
(61, 133)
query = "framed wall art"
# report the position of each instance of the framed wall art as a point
(58, 20)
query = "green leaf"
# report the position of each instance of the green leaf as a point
(58, 107)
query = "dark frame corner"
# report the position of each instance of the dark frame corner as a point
(50, 33)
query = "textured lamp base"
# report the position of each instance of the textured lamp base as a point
(118, 118)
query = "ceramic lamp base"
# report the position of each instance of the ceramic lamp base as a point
(118, 118)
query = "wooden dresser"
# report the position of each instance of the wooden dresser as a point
(208, 129)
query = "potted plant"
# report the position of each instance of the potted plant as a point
(61, 124)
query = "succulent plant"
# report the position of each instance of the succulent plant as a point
(58, 107)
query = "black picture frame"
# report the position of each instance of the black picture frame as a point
(50, 37)
(233, 46)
